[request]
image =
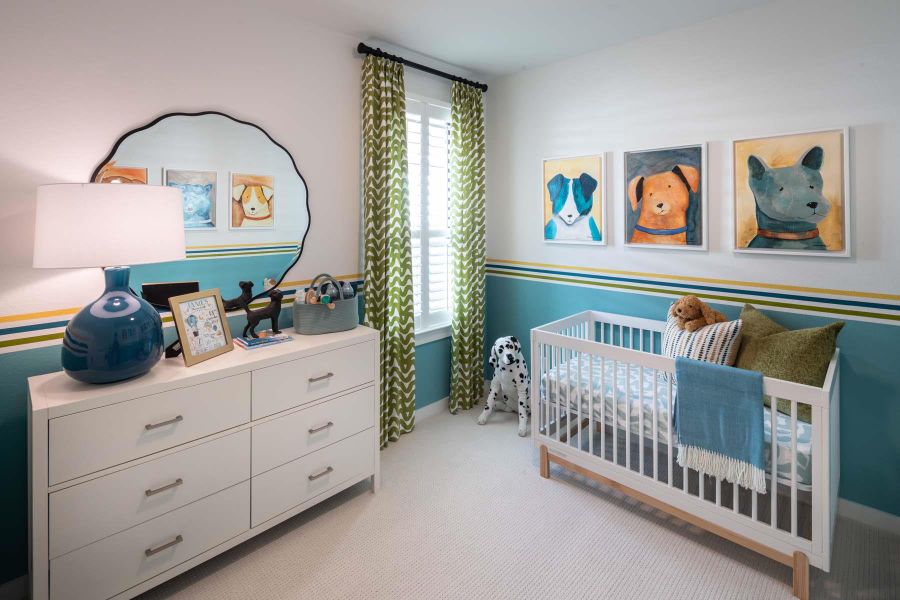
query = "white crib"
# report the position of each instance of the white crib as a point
(602, 399)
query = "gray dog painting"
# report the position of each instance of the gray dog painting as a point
(789, 202)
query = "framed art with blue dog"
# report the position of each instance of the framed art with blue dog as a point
(665, 198)
(575, 200)
(792, 194)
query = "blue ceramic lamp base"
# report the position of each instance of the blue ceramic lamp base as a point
(116, 337)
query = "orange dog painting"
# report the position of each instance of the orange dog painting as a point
(112, 173)
(252, 201)
(665, 198)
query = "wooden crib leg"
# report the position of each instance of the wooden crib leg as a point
(545, 462)
(801, 576)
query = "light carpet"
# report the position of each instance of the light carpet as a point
(463, 513)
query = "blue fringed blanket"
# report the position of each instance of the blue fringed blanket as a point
(719, 422)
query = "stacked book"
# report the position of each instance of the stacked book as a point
(249, 343)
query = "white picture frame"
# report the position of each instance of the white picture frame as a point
(703, 246)
(600, 191)
(846, 200)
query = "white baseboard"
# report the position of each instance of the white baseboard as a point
(16, 589)
(435, 408)
(869, 516)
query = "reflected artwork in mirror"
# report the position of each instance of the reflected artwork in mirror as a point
(246, 209)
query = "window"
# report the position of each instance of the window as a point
(427, 124)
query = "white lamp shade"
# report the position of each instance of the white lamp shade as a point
(107, 224)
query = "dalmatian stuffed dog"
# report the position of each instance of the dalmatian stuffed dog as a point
(510, 382)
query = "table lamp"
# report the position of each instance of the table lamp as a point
(118, 335)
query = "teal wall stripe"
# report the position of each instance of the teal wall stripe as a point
(832, 305)
(870, 381)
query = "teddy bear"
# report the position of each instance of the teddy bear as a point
(692, 313)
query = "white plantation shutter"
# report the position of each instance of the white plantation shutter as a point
(427, 137)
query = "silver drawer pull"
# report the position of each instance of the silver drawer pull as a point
(327, 375)
(321, 427)
(169, 486)
(321, 473)
(172, 421)
(151, 551)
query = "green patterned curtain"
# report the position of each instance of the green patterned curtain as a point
(467, 242)
(388, 258)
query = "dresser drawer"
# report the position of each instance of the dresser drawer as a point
(95, 509)
(104, 437)
(293, 383)
(304, 431)
(284, 487)
(121, 561)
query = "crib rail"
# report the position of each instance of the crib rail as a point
(603, 397)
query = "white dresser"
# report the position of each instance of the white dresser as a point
(135, 482)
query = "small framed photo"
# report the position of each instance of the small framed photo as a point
(574, 201)
(665, 198)
(201, 324)
(252, 201)
(791, 193)
(198, 196)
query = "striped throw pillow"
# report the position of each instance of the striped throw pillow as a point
(717, 343)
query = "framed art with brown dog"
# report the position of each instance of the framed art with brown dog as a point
(201, 324)
(575, 200)
(792, 194)
(252, 201)
(665, 191)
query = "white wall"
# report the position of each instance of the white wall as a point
(79, 74)
(783, 67)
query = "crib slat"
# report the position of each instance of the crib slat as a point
(615, 409)
(641, 419)
(655, 419)
(578, 398)
(734, 498)
(603, 408)
(591, 403)
(548, 355)
(718, 492)
(773, 413)
(628, 413)
(753, 505)
(671, 442)
(701, 482)
(793, 467)
(559, 353)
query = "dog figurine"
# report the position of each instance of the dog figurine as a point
(664, 199)
(692, 313)
(270, 311)
(789, 202)
(572, 201)
(242, 300)
(252, 205)
(510, 381)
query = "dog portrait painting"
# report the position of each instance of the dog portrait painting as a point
(665, 197)
(790, 194)
(575, 200)
(252, 201)
(112, 173)
(198, 195)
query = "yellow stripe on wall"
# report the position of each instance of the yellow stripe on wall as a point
(769, 286)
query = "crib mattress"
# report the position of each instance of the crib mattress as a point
(640, 390)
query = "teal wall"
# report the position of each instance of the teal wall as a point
(432, 372)
(870, 378)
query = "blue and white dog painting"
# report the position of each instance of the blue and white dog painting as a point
(198, 192)
(789, 193)
(572, 207)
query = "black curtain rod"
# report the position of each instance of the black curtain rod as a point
(364, 49)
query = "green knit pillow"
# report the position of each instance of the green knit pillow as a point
(799, 355)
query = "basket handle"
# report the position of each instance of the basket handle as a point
(330, 279)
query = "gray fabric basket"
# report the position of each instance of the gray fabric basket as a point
(315, 319)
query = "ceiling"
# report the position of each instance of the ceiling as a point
(498, 37)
